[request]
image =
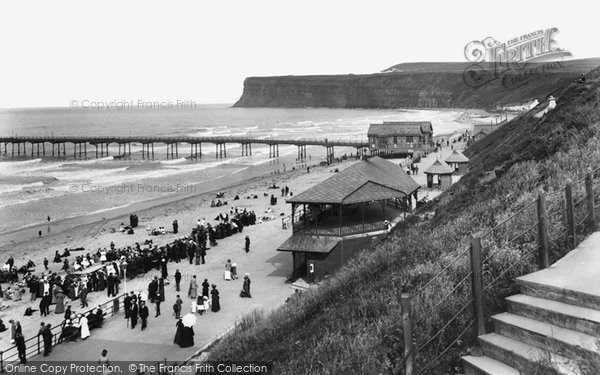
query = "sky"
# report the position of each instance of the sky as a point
(54, 52)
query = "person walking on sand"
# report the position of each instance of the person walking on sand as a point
(205, 288)
(193, 291)
(177, 279)
(247, 244)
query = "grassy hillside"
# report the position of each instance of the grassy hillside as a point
(352, 323)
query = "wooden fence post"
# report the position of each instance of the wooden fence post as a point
(409, 354)
(543, 244)
(570, 213)
(589, 193)
(477, 284)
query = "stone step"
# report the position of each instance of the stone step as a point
(525, 358)
(542, 288)
(564, 315)
(486, 366)
(565, 342)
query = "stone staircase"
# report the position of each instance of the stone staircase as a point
(553, 326)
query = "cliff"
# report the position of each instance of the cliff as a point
(416, 85)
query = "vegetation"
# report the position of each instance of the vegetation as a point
(352, 322)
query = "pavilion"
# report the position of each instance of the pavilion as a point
(458, 161)
(333, 220)
(439, 174)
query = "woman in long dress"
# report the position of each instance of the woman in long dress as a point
(178, 332)
(187, 337)
(205, 288)
(216, 306)
(60, 303)
(246, 288)
(83, 325)
(193, 291)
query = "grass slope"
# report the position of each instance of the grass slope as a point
(352, 323)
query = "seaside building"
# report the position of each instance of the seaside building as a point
(400, 138)
(458, 161)
(439, 174)
(334, 220)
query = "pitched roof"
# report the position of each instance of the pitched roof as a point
(401, 128)
(365, 181)
(308, 243)
(440, 167)
(457, 157)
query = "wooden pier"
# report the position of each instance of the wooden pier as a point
(18, 145)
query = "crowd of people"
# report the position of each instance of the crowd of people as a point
(105, 269)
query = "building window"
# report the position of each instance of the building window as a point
(409, 139)
(395, 140)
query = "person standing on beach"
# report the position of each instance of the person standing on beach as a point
(205, 288)
(46, 263)
(134, 314)
(177, 279)
(246, 288)
(144, 315)
(247, 244)
(193, 291)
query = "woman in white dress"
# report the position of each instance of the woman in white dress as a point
(83, 325)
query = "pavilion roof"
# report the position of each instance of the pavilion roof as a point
(457, 157)
(309, 243)
(439, 167)
(365, 181)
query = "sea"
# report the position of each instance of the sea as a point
(33, 188)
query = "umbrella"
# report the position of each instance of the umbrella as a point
(188, 320)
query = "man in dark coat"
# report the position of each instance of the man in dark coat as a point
(247, 244)
(175, 226)
(205, 288)
(144, 314)
(134, 314)
(163, 268)
(111, 285)
(127, 305)
(177, 279)
(44, 305)
(153, 289)
(20, 343)
(47, 337)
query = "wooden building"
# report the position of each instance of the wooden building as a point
(439, 174)
(334, 220)
(459, 162)
(400, 138)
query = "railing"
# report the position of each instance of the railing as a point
(187, 139)
(345, 230)
(35, 346)
(485, 263)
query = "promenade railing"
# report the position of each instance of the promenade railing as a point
(473, 282)
(35, 345)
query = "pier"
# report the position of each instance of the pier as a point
(58, 146)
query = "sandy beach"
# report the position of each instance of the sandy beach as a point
(268, 268)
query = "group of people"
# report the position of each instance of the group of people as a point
(119, 263)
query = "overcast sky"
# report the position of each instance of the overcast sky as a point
(53, 52)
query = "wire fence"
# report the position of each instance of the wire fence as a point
(472, 284)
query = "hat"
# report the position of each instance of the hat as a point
(247, 275)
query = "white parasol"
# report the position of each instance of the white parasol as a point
(188, 320)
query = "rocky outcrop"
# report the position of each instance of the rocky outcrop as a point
(426, 85)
